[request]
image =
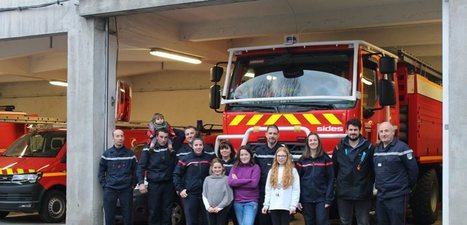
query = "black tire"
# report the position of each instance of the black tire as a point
(177, 214)
(425, 198)
(53, 207)
(3, 214)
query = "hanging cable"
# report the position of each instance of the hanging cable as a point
(21, 8)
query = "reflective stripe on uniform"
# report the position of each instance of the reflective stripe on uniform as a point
(118, 158)
(393, 153)
(265, 156)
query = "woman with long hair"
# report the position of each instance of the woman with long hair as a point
(317, 182)
(282, 188)
(244, 178)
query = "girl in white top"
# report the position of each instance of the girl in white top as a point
(282, 188)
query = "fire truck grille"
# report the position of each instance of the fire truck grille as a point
(20, 197)
(5, 179)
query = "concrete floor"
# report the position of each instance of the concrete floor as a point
(33, 219)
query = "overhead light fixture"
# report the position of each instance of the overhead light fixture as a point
(175, 56)
(250, 73)
(58, 83)
(367, 82)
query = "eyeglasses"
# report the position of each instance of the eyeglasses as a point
(281, 156)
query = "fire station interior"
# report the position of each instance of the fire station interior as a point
(28, 65)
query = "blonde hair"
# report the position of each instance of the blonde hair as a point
(287, 177)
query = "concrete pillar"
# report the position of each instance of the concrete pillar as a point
(91, 90)
(454, 111)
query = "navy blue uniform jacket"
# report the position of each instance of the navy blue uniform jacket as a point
(396, 169)
(159, 164)
(117, 168)
(190, 172)
(316, 179)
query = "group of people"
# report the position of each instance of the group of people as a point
(263, 184)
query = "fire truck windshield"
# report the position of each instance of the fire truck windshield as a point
(316, 77)
(37, 144)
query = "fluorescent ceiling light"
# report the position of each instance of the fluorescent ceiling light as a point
(250, 73)
(58, 83)
(175, 56)
(367, 82)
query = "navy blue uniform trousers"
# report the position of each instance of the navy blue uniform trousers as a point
(195, 212)
(315, 213)
(161, 196)
(391, 211)
(126, 204)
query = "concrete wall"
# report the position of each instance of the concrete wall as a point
(455, 108)
(182, 96)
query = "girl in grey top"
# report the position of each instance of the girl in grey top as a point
(217, 194)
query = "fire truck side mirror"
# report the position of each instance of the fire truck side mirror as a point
(216, 73)
(215, 97)
(387, 65)
(387, 93)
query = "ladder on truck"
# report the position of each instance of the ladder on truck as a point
(50, 122)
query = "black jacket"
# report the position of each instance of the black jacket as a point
(354, 174)
(228, 165)
(185, 150)
(264, 156)
(117, 168)
(159, 164)
(396, 169)
(316, 179)
(190, 172)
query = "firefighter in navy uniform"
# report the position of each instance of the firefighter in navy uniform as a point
(396, 173)
(188, 178)
(159, 163)
(264, 156)
(186, 148)
(117, 177)
(353, 167)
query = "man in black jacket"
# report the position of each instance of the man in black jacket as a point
(264, 156)
(159, 163)
(117, 169)
(353, 168)
(396, 173)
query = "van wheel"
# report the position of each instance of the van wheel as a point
(177, 214)
(53, 207)
(3, 214)
(425, 198)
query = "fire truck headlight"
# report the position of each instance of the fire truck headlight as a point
(25, 178)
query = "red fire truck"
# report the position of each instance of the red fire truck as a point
(302, 87)
(33, 168)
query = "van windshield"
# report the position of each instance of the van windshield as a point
(37, 144)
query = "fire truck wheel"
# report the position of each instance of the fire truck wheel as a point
(425, 198)
(3, 214)
(53, 207)
(177, 214)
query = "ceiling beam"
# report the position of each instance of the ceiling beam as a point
(146, 31)
(24, 47)
(314, 20)
(121, 7)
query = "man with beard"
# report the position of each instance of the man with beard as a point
(264, 156)
(353, 167)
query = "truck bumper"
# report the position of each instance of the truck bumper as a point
(23, 198)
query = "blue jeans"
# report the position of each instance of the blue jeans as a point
(246, 212)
